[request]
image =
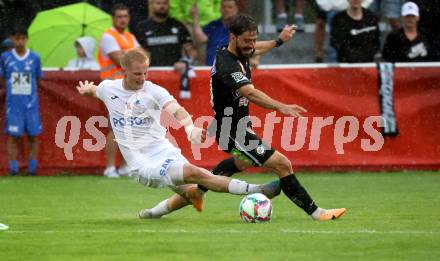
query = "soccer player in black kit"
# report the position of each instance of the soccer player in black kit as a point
(231, 92)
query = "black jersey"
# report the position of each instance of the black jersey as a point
(228, 74)
(355, 41)
(398, 48)
(163, 40)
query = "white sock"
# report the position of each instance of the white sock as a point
(253, 188)
(160, 209)
(317, 213)
(239, 187)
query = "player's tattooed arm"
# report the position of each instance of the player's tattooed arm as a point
(87, 88)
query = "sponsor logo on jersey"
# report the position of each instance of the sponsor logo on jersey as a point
(130, 121)
(362, 30)
(243, 101)
(260, 150)
(160, 40)
(238, 77)
(417, 50)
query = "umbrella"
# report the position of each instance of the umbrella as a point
(53, 32)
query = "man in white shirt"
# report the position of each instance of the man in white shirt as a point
(113, 44)
(135, 106)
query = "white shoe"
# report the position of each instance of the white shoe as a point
(124, 171)
(110, 172)
(147, 214)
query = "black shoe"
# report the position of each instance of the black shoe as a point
(13, 173)
(32, 174)
(319, 60)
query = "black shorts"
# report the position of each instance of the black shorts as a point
(249, 148)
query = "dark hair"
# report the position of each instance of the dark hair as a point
(243, 23)
(19, 30)
(117, 7)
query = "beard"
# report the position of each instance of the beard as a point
(241, 53)
(161, 15)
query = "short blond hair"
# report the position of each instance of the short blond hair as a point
(135, 54)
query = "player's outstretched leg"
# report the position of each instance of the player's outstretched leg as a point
(228, 167)
(293, 189)
(167, 206)
(195, 175)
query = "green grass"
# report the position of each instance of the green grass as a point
(391, 216)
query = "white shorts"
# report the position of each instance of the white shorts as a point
(162, 170)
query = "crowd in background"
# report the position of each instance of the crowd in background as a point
(211, 19)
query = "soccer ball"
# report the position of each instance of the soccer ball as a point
(255, 208)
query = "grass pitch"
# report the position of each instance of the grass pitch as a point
(391, 216)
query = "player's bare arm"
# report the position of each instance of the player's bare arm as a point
(262, 47)
(198, 34)
(87, 88)
(195, 135)
(263, 100)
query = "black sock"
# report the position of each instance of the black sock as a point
(225, 168)
(297, 194)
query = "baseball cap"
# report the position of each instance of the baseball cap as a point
(410, 8)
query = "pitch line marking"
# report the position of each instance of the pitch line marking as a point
(229, 231)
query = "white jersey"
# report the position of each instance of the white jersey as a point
(135, 119)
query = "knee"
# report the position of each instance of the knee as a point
(283, 165)
(193, 174)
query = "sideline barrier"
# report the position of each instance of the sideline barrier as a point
(328, 93)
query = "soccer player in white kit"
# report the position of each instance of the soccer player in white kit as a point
(135, 106)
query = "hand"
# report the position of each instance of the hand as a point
(195, 13)
(287, 33)
(291, 110)
(180, 66)
(86, 88)
(197, 135)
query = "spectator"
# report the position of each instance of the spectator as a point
(388, 8)
(355, 34)
(20, 72)
(114, 43)
(163, 37)
(138, 10)
(281, 13)
(216, 33)
(85, 51)
(407, 44)
(168, 43)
